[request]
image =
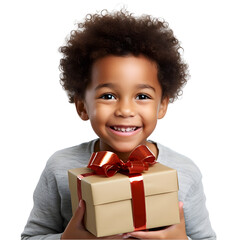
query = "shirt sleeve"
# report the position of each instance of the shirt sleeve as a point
(196, 215)
(45, 220)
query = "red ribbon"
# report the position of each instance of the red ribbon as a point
(108, 163)
(138, 201)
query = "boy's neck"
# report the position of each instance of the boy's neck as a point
(124, 155)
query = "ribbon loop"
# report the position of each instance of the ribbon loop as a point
(108, 163)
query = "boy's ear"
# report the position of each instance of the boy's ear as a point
(163, 107)
(81, 109)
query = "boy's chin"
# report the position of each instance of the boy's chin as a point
(119, 147)
(124, 148)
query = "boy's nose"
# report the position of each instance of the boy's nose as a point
(125, 109)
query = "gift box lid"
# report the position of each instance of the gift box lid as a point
(98, 190)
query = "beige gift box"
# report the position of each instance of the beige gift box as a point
(109, 205)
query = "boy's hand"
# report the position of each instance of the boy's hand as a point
(75, 228)
(176, 231)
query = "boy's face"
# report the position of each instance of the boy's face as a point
(123, 102)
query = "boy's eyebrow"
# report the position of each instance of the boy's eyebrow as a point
(142, 86)
(110, 85)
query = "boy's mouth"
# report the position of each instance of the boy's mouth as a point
(124, 129)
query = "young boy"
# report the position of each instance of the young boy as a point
(121, 72)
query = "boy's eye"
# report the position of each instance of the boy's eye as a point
(107, 96)
(142, 96)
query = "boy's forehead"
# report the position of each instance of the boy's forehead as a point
(124, 65)
(129, 57)
(125, 72)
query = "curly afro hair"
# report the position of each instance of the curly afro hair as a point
(120, 34)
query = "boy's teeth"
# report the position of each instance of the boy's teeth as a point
(121, 129)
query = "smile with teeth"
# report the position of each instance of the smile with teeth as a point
(124, 129)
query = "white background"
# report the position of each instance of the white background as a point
(36, 118)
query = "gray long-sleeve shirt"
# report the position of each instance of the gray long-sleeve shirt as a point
(52, 202)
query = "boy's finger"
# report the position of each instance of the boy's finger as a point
(144, 235)
(181, 212)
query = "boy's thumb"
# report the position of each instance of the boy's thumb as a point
(79, 213)
(181, 212)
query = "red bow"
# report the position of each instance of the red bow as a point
(108, 163)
